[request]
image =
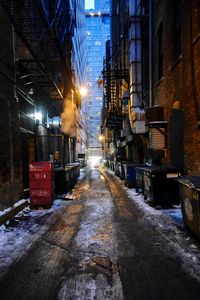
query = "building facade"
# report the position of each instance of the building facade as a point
(37, 89)
(161, 93)
(79, 76)
(97, 32)
(173, 95)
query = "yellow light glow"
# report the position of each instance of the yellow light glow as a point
(101, 138)
(83, 91)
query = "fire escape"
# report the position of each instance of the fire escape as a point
(113, 74)
(42, 45)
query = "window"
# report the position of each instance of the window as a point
(160, 51)
(177, 28)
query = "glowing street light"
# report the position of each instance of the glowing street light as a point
(101, 137)
(83, 91)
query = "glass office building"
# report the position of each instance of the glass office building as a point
(97, 33)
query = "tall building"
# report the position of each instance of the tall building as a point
(79, 72)
(97, 33)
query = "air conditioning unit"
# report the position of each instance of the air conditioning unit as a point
(157, 138)
(154, 113)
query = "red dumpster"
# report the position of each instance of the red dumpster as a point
(41, 183)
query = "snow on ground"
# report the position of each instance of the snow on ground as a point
(18, 234)
(169, 223)
(5, 211)
(82, 174)
(139, 200)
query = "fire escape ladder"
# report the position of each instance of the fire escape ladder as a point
(112, 77)
(32, 20)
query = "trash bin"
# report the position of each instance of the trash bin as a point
(60, 180)
(130, 174)
(74, 171)
(189, 187)
(161, 186)
(41, 183)
(69, 177)
(140, 178)
(117, 166)
(112, 166)
(121, 170)
(65, 178)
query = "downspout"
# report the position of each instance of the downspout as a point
(136, 111)
(150, 55)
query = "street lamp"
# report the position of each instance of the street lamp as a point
(83, 91)
(101, 138)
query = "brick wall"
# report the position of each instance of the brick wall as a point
(180, 82)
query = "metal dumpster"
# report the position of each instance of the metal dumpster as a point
(41, 183)
(66, 177)
(75, 170)
(130, 174)
(117, 166)
(112, 165)
(72, 174)
(161, 186)
(60, 180)
(189, 187)
(140, 178)
(121, 169)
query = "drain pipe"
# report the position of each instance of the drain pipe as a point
(150, 56)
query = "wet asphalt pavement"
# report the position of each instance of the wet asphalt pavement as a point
(101, 247)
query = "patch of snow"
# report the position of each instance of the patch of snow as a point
(18, 234)
(20, 202)
(82, 174)
(5, 211)
(140, 202)
(169, 223)
(95, 174)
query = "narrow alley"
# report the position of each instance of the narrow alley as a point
(99, 150)
(100, 245)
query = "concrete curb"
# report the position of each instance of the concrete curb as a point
(12, 211)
